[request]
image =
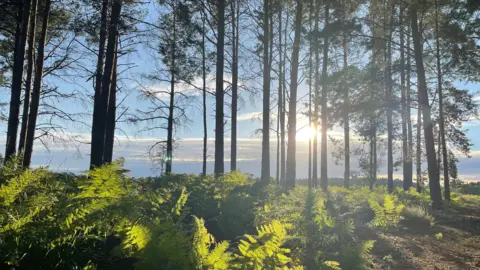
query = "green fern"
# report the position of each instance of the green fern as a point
(264, 251)
(387, 215)
(202, 254)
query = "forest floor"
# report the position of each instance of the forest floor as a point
(453, 242)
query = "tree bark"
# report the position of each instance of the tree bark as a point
(346, 119)
(95, 155)
(324, 164)
(316, 94)
(409, 162)
(233, 162)
(443, 143)
(17, 78)
(406, 153)
(37, 87)
(219, 94)
(28, 81)
(389, 86)
(111, 113)
(292, 115)
(204, 99)
(171, 108)
(433, 173)
(265, 174)
(282, 93)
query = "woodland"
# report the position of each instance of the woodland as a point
(389, 74)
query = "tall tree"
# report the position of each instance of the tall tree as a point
(324, 164)
(316, 66)
(265, 174)
(408, 117)
(346, 118)
(442, 144)
(389, 90)
(111, 113)
(37, 86)
(204, 96)
(433, 173)
(28, 80)
(282, 92)
(404, 92)
(292, 116)
(23, 18)
(235, 40)
(219, 93)
(97, 101)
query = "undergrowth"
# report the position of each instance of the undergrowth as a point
(105, 219)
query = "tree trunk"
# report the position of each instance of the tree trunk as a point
(28, 81)
(219, 94)
(37, 87)
(433, 173)
(443, 143)
(169, 161)
(316, 94)
(17, 78)
(111, 113)
(403, 101)
(233, 163)
(282, 94)
(265, 174)
(292, 115)
(324, 164)
(389, 86)
(418, 163)
(204, 101)
(409, 180)
(346, 119)
(96, 153)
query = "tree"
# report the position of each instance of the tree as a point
(28, 80)
(111, 113)
(23, 18)
(235, 46)
(100, 115)
(219, 92)
(37, 87)
(324, 164)
(281, 92)
(292, 121)
(433, 173)
(316, 66)
(204, 96)
(442, 145)
(265, 174)
(389, 91)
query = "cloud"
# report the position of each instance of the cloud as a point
(249, 116)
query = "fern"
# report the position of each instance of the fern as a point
(265, 251)
(387, 215)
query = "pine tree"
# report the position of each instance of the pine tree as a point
(219, 93)
(28, 80)
(37, 86)
(22, 24)
(292, 121)
(265, 174)
(433, 173)
(324, 164)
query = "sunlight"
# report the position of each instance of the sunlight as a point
(305, 133)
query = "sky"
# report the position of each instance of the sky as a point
(68, 156)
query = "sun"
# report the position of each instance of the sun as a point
(305, 133)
